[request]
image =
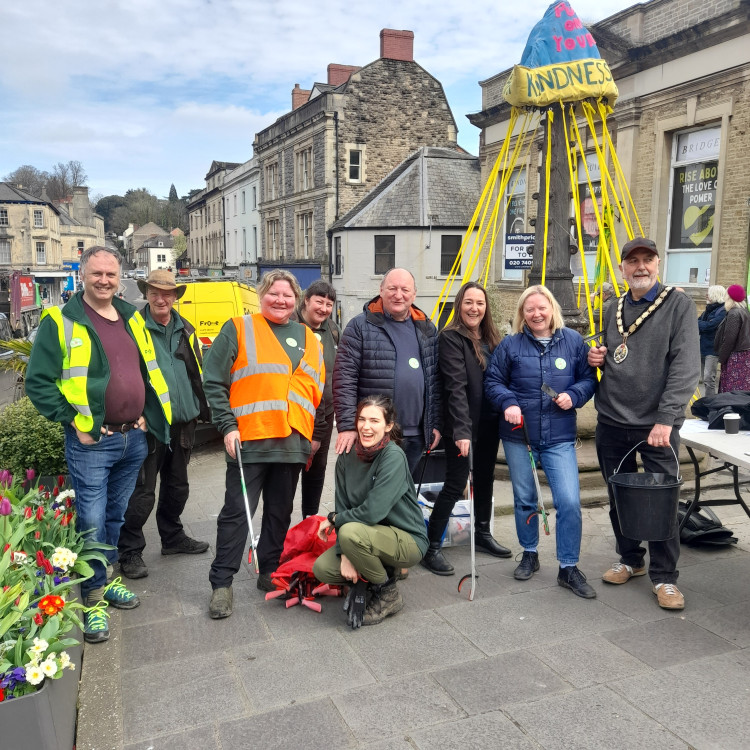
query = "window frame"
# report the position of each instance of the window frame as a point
(4, 222)
(5, 244)
(358, 166)
(443, 256)
(338, 259)
(380, 253)
(38, 218)
(41, 247)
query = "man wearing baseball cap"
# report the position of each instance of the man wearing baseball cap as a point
(179, 357)
(650, 362)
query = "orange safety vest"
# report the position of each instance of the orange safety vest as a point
(267, 398)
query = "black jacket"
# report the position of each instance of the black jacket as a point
(733, 334)
(366, 365)
(708, 322)
(462, 379)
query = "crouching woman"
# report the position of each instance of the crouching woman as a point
(379, 525)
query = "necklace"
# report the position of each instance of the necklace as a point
(621, 352)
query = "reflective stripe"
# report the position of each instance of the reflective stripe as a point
(312, 373)
(303, 402)
(257, 406)
(258, 369)
(75, 372)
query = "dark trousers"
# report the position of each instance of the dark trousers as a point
(278, 482)
(484, 449)
(170, 464)
(314, 478)
(413, 446)
(612, 444)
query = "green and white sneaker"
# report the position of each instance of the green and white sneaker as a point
(119, 596)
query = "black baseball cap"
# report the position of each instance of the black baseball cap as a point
(639, 243)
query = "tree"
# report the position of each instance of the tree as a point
(65, 176)
(106, 206)
(29, 178)
(173, 194)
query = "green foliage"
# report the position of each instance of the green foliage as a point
(29, 441)
(17, 362)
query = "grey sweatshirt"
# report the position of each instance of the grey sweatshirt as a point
(656, 380)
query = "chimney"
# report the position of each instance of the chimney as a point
(299, 96)
(338, 74)
(397, 45)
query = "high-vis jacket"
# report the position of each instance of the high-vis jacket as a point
(68, 371)
(267, 399)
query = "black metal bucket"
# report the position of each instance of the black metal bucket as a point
(647, 503)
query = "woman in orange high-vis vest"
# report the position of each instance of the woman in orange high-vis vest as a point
(263, 378)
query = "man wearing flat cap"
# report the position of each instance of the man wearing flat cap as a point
(650, 362)
(179, 357)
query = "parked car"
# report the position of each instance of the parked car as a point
(140, 273)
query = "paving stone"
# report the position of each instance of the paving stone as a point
(491, 730)
(194, 690)
(202, 737)
(731, 622)
(589, 660)
(395, 707)
(313, 726)
(284, 672)
(162, 641)
(488, 684)
(507, 623)
(410, 642)
(392, 743)
(725, 579)
(287, 623)
(595, 719)
(669, 641)
(704, 702)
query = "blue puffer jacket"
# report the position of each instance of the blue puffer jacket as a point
(708, 322)
(366, 365)
(518, 368)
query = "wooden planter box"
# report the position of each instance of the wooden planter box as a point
(46, 719)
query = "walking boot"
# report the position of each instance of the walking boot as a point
(385, 600)
(483, 539)
(435, 562)
(527, 567)
(572, 578)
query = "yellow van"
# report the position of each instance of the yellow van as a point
(208, 304)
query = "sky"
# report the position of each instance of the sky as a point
(147, 93)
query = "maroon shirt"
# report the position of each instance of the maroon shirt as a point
(125, 396)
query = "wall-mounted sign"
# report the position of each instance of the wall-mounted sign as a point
(519, 249)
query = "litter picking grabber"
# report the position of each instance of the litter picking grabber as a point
(540, 503)
(470, 495)
(252, 557)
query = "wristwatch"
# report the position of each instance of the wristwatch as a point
(332, 518)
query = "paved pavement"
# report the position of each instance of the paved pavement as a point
(526, 665)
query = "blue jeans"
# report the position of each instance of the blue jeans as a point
(103, 477)
(561, 469)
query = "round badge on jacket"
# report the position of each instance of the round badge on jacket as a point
(560, 363)
(291, 342)
(414, 363)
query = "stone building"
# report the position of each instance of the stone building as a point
(416, 218)
(80, 227)
(680, 128)
(241, 191)
(339, 141)
(205, 245)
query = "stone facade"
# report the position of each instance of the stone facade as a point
(384, 111)
(682, 70)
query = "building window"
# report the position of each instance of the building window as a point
(515, 224)
(302, 169)
(255, 242)
(5, 252)
(38, 219)
(444, 315)
(338, 261)
(235, 204)
(272, 228)
(243, 201)
(589, 224)
(694, 180)
(355, 165)
(449, 247)
(304, 235)
(80, 247)
(385, 253)
(41, 254)
(272, 181)
(3, 217)
(255, 197)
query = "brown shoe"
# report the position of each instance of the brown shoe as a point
(621, 573)
(669, 596)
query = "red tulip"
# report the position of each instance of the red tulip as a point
(38, 619)
(28, 512)
(39, 513)
(37, 535)
(60, 480)
(39, 557)
(65, 520)
(56, 491)
(48, 569)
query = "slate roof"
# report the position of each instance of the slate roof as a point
(438, 186)
(11, 194)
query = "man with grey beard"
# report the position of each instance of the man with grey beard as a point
(650, 361)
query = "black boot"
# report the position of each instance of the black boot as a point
(385, 600)
(435, 562)
(527, 567)
(483, 539)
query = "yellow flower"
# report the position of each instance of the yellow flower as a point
(39, 647)
(34, 674)
(49, 667)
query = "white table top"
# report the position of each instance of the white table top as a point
(732, 448)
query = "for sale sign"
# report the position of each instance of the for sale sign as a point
(519, 249)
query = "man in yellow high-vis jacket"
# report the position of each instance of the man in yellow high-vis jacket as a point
(93, 368)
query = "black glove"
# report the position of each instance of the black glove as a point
(354, 604)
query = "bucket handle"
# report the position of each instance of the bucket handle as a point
(679, 477)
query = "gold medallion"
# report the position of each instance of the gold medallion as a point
(620, 353)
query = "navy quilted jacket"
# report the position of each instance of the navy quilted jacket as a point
(515, 375)
(366, 364)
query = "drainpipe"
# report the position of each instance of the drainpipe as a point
(336, 150)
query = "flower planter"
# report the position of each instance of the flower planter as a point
(46, 719)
